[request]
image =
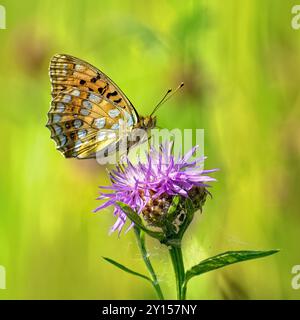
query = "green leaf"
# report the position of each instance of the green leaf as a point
(120, 266)
(190, 210)
(225, 259)
(136, 219)
(172, 209)
(174, 235)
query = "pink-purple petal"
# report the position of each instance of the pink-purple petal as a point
(160, 174)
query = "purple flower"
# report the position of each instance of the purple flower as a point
(159, 178)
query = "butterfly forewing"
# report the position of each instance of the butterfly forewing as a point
(86, 109)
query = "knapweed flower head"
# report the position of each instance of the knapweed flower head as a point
(149, 187)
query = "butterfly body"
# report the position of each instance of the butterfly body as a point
(88, 109)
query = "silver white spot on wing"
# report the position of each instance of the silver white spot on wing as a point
(79, 67)
(82, 133)
(94, 98)
(77, 123)
(130, 122)
(113, 113)
(115, 126)
(62, 140)
(77, 144)
(99, 123)
(129, 119)
(67, 98)
(87, 104)
(101, 136)
(84, 112)
(76, 93)
(56, 118)
(60, 107)
(57, 129)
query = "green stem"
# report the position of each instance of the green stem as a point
(184, 288)
(140, 236)
(178, 266)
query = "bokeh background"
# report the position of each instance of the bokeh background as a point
(240, 61)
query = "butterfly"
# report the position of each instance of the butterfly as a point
(88, 109)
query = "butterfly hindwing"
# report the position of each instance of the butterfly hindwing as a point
(85, 102)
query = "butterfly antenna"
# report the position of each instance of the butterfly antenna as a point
(166, 97)
(161, 101)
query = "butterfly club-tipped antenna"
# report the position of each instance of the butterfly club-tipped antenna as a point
(166, 97)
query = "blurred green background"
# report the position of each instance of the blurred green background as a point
(240, 61)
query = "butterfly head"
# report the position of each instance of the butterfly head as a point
(148, 122)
